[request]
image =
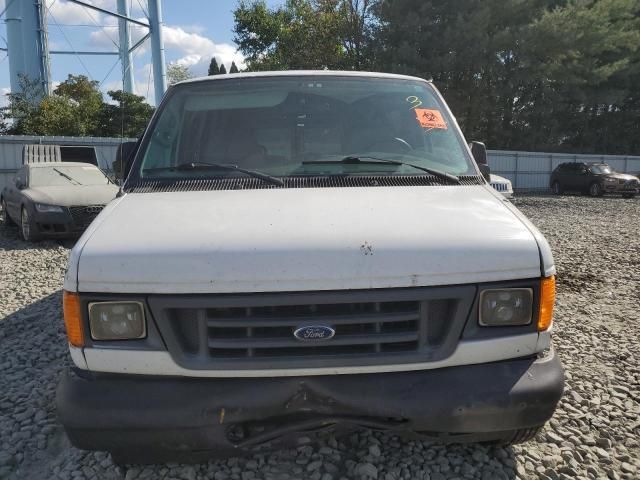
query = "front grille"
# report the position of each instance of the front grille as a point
(258, 330)
(83, 216)
(268, 331)
(500, 187)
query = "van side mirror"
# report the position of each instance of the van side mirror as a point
(479, 152)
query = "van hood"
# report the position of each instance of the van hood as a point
(303, 239)
(73, 195)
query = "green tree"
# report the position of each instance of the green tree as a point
(127, 116)
(305, 34)
(234, 68)
(214, 69)
(20, 114)
(60, 115)
(177, 73)
(588, 54)
(72, 109)
(83, 97)
(538, 75)
(223, 69)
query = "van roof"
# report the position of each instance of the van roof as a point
(297, 73)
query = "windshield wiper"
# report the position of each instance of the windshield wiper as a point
(68, 177)
(353, 159)
(219, 166)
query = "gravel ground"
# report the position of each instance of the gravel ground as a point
(594, 434)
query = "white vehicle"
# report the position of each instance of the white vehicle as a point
(502, 185)
(297, 252)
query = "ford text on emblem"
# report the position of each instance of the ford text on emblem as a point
(314, 333)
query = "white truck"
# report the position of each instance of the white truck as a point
(300, 252)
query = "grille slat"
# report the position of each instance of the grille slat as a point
(83, 216)
(253, 321)
(258, 343)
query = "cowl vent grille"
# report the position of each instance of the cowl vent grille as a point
(248, 183)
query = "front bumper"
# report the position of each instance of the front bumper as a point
(55, 224)
(169, 418)
(625, 188)
(65, 223)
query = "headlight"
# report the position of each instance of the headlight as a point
(44, 208)
(117, 320)
(506, 307)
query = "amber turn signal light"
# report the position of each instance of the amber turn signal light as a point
(73, 318)
(547, 300)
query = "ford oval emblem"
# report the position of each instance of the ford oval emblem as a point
(313, 333)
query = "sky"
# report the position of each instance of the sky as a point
(194, 31)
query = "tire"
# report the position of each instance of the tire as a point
(27, 230)
(6, 219)
(595, 190)
(518, 436)
(556, 188)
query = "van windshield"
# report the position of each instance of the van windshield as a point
(303, 125)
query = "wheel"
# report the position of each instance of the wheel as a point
(595, 190)
(26, 227)
(6, 219)
(556, 188)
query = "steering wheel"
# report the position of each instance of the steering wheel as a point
(396, 143)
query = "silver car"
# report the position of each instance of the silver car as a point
(55, 199)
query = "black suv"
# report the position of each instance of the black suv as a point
(595, 179)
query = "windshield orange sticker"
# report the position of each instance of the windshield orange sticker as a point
(428, 118)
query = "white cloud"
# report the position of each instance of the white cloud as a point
(194, 50)
(199, 49)
(4, 91)
(194, 28)
(107, 38)
(143, 84)
(64, 12)
(186, 45)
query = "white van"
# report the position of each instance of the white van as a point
(300, 252)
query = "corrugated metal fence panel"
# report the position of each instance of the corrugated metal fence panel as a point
(41, 152)
(11, 147)
(531, 170)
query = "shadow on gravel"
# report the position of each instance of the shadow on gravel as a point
(12, 240)
(32, 357)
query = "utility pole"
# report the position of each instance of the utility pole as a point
(125, 47)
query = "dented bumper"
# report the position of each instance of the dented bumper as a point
(173, 417)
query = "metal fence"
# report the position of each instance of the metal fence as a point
(526, 170)
(530, 171)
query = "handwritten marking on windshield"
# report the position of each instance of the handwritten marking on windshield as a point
(414, 101)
